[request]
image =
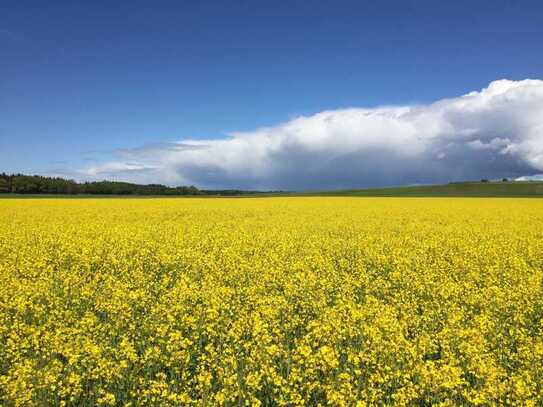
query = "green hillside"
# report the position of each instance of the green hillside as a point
(497, 189)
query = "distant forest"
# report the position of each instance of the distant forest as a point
(36, 184)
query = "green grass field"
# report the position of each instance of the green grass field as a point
(488, 189)
(461, 189)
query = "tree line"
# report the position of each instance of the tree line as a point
(37, 184)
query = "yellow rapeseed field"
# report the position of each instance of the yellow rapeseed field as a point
(271, 301)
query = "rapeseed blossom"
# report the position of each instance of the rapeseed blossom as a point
(271, 301)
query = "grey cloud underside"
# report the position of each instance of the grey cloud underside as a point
(496, 132)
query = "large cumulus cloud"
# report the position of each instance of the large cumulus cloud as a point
(493, 133)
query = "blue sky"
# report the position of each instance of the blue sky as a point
(88, 84)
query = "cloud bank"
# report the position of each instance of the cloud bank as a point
(493, 133)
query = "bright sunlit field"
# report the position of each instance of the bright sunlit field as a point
(271, 301)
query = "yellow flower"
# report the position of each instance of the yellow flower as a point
(288, 301)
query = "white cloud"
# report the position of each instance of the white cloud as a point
(535, 177)
(493, 133)
(117, 168)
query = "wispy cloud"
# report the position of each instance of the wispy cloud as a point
(493, 133)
